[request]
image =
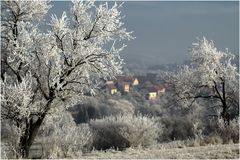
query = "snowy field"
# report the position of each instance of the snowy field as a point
(229, 151)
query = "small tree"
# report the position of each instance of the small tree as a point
(45, 70)
(211, 76)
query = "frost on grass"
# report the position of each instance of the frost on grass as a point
(170, 151)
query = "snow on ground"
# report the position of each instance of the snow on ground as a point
(228, 151)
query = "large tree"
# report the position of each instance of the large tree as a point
(211, 76)
(41, 70)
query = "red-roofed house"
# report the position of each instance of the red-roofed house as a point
(131, 80)
(124, 82)
(151, 93)
(112, 89)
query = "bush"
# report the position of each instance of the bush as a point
(153, 110)
(96, 108)
(227, 132)
(177, 128)
(62, 138)
(9, 139)
(69, 143)
(4, 151)
(125, 130)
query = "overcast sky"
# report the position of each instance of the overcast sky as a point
(165, 30)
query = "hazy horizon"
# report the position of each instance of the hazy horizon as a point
(165, 30)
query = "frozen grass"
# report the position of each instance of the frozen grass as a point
(165, 151)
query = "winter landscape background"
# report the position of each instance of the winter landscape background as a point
(71, 88)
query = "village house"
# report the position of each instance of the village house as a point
(160, 90)
(135, 82)
(154, 91)
(124, 83)
(124, 86)
(111, 88)
(151, 93)
(131, 80)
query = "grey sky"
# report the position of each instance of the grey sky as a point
(165, 30)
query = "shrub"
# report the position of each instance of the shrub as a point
(124, 130)
(62, 138)
(8, 151)
(176, 128)
(153, 110)
(121, 106)
(70, 143)
(228, 132)
(210, 139)
(9, 139)
(96, 108)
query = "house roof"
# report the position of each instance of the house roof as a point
(111, 86)
(151, 89)
(149, 77)
(124, 78)
(158, 87)
(126, 83)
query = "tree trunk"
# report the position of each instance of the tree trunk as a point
(30, 133)
(225, 115)
(28, 137)
(222, 97)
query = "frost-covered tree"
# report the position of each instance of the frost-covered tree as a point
(42, 70)
(211, 76)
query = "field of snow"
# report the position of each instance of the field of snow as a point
(228, 151)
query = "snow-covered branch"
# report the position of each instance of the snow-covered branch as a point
(211, 76)
(56, 68)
